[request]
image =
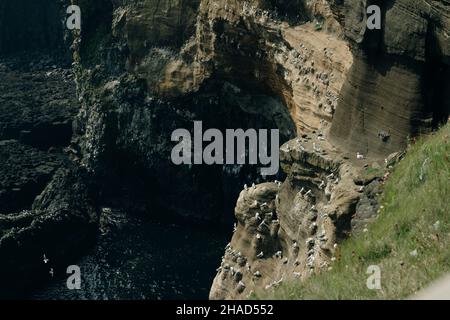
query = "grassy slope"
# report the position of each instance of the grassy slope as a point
(406, 223)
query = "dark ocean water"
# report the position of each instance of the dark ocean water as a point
(145, 261)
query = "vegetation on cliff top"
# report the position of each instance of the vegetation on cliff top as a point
(409, 241)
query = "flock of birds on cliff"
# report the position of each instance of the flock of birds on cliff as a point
(308, 75)
(311, 78)
(308, 195)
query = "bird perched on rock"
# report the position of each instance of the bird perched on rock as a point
(260, 255)
(359, 156)
(315, 148)
(263, 226)
(245, 187)
(253, 185)
(322, 185)
(310, 242)
(308, 193)
(278, 282)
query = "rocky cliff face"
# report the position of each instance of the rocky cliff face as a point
(394, 89)
(398, 83)
(340, 87)
(310, 68)
(257, 68)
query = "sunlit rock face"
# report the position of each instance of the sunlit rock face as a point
(397, 85)
(146, 68)
(308, 68)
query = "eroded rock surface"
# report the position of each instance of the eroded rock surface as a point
(309, 68)
(398, 83)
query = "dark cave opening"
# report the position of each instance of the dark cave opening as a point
(173, 221)
(192, 194)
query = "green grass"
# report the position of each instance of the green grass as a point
(415, 197)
